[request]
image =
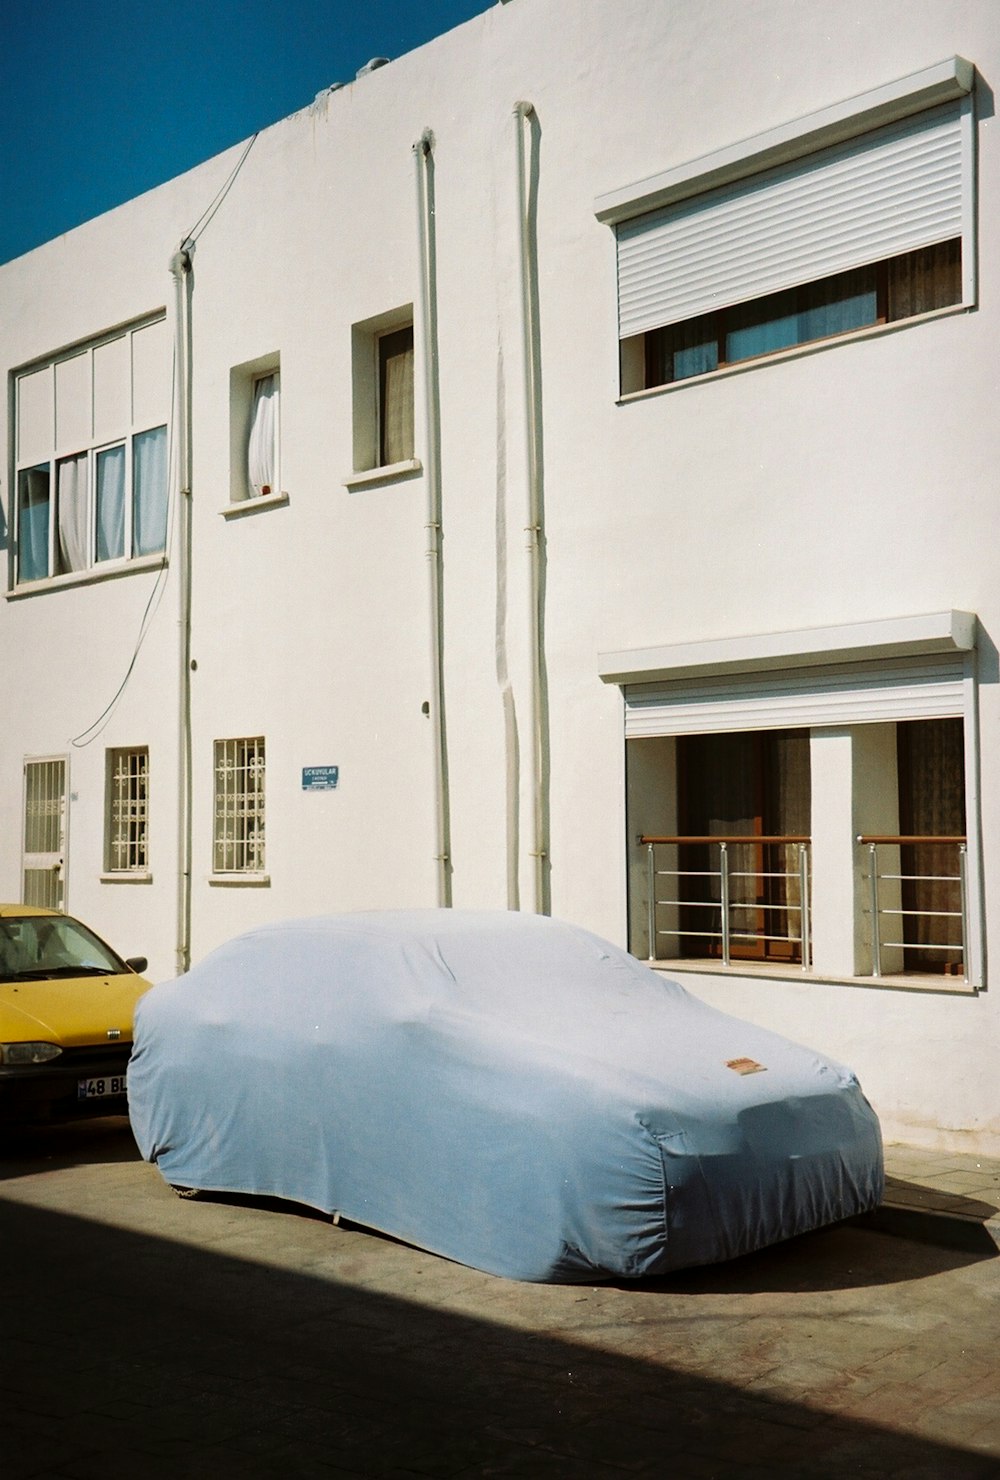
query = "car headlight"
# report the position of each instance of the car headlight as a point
(28, 1053)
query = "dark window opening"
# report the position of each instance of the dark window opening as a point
(930, 757)
(751, 786)
(883, 293)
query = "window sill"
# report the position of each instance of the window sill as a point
(254, 505)
(793, 352)
(127, 876)
(391, 473)
(949, 986)
(240, 881)
(108, 570)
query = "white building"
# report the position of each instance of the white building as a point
(579, 431)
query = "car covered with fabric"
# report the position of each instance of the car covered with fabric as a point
(66, 1006)
(511, 1092)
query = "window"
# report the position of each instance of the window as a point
(788, 809)
(92, 455)
(383, 395)
(883, 293)
(127, 810)
(239, 807)
(255, 433)
(857, 216)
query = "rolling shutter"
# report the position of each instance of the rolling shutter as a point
(841, 694)
(891, 191)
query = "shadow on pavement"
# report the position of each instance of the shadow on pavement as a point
(27, 1149)
(136, 1355)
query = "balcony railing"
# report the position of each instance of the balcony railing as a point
(752, 899)
(926, 914)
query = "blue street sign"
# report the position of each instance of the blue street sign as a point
(320, 778)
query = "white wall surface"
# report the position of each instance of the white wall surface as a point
(848, 484)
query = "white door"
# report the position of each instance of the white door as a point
(45, 832)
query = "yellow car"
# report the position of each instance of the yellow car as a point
(66, 1004)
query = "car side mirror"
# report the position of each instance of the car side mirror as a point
(137, 963)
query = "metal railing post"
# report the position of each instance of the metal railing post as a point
(963, 884)
(873, 881)
(724, 890)
(651, 907)
(804, 930)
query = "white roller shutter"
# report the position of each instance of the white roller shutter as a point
(894, 190)
(841, 694)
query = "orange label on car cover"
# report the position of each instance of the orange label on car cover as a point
(746, 1066)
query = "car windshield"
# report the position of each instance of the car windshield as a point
(40, 947)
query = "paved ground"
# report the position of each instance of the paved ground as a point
(142, 1336)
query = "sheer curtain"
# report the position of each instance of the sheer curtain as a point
(111, 503)
(73, 512)
(261, 469)
(396, 397)
(149, 492)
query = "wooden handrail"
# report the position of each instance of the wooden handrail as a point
(729, 838)
(908, 838)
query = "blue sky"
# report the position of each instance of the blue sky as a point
(102, 99)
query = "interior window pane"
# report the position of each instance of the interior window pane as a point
(73, 402)
(395, 358)
(149, 491)
(35, 415)
(112, 410)
(682, 350)
(111, 503)
(762, 327)
(922, 281)
(151, 374)
(33, 501)
(838, 304)
(74, 510)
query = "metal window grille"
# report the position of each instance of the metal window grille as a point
(128, 810)
(44, 832)
(239, 806)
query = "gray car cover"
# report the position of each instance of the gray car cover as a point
(510, 1092)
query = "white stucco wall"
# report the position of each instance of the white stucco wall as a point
(849, 484)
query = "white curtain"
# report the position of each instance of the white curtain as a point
(111, 503)
(73, 513)
(149, 492)
(261, 469)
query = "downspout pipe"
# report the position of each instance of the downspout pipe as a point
(423, 155)
(535, 530)
(180, 268)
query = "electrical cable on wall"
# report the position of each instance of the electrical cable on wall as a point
(92, 731)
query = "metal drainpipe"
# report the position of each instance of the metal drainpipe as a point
(423, 161)
(180, 267)
(535, 530)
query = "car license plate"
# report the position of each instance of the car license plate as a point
(99, 1089)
